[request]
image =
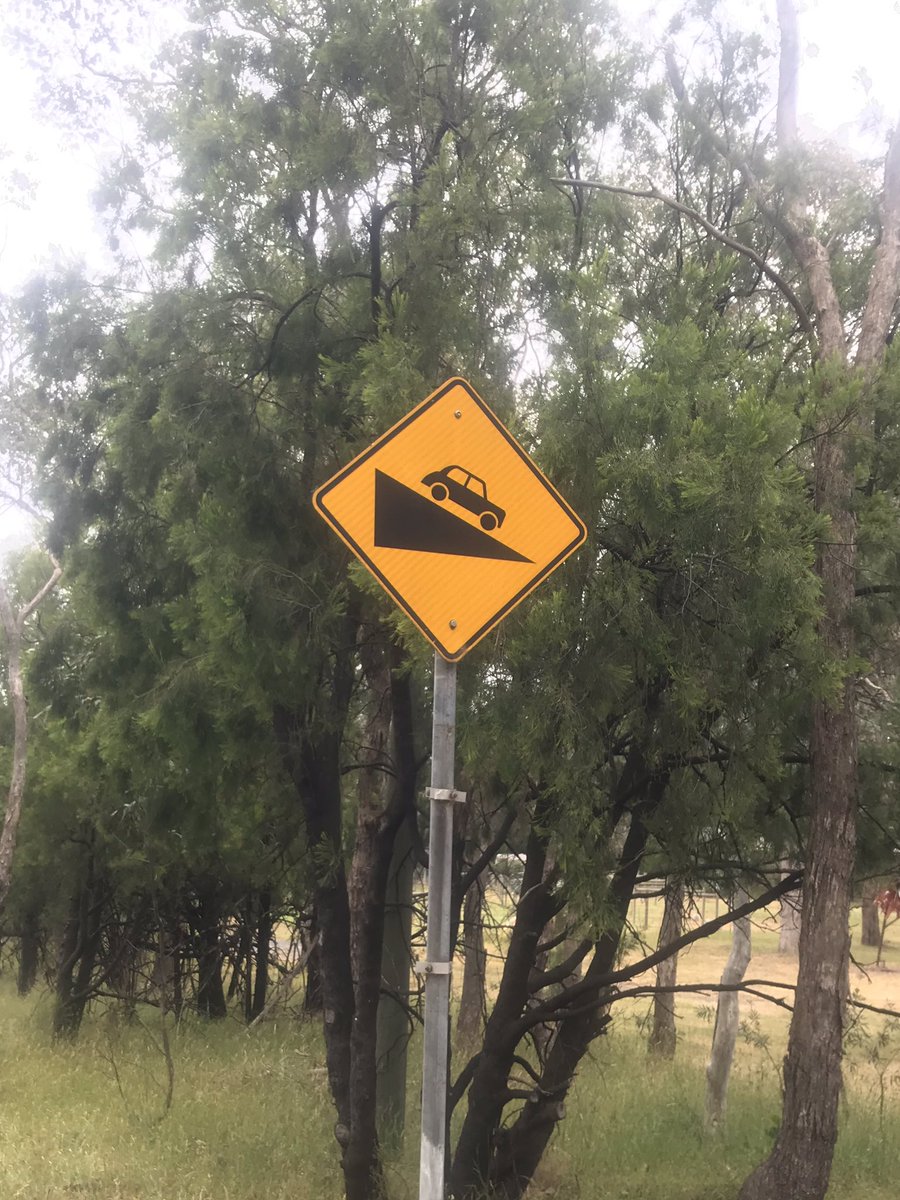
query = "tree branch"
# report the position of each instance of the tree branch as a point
(26, 610)
(654, 193)
(884, 282)
(554, 1004)
(487, 854)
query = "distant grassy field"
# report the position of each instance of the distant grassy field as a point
(251, 1118)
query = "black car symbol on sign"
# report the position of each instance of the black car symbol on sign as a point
(468, 491)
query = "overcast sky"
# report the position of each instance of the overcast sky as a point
(850, 91)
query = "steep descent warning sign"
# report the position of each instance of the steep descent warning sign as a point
(452, 517)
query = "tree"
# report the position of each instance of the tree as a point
(19, 443)
(359, 204)
(13, 618)
(663, 1035)
(800, 1162)
(725, 1030)
(834, 389)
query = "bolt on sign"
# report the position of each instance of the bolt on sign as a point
(452, 517)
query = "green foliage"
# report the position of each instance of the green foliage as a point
(346, 204)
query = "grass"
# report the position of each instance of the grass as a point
(650, 1145)
(251, 1115)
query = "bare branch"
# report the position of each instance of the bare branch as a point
(26, 610)
(806, 248)
(653, 193)
(20, 502)
(751, 986)
(884, 282)
(551, 1007)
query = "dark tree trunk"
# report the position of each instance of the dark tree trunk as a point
(313, 762)
(362, 1168)
(663, 1036)
(870, 916)
(29, 952)
(520, 1151)
(381, 810)
(263, 947)
(472, 1010)
(488, 1089)
(66, 1017)
(394, 1023)
(77, 957)
(206, 919)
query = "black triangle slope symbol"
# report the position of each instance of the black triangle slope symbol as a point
(404, 520)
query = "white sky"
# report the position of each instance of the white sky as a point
(850, 91)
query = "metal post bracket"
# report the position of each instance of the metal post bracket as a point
(449, 794)
(432, 968)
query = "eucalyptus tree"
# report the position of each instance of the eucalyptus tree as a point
(14, 615)
(843, 292)
(18, 445)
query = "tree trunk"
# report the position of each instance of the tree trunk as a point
(394, 1028)
(13, 624)
(77, 956)
(263, 945)
(312, 998)
(313, 758)
(206, 919)
(800, 1163)
(380, 814)
(314, 764)
(725, 1032)
(518, 1156)
(29, 953)
(789, 917)
(472, 1010)
(65, 1016)
(662, 1035)
(487, 1091)
(870, 916)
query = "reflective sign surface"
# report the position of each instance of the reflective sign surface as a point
(452, 517)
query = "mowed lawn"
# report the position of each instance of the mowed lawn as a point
(251, 1118)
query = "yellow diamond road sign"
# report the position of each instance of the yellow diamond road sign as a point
(452, 517)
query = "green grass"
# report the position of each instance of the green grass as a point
(252, 1119)
(251, 1116)
(634, 1131)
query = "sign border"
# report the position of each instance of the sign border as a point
(321, 493)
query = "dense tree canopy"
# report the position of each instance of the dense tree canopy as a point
(344, 204)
